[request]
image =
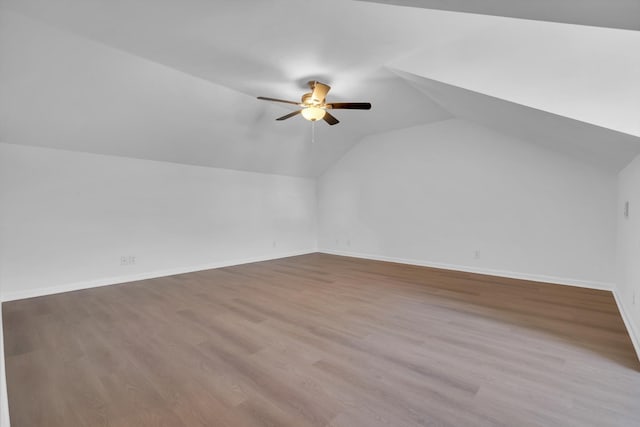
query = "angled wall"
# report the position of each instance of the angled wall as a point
(457, 195)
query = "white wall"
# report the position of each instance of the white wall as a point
(66, 218)
(628, 254)
(435, 194)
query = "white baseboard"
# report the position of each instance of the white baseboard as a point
(631, 330)
(30, 293)
(4, 398)
(469, 269)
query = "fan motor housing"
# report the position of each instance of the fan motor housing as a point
(307, 99)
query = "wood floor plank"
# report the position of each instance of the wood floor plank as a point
(324, 341)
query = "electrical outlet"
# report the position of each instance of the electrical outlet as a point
(634, 298)
(274, 244)
(476, 254)
(127, 260)
(348, 242)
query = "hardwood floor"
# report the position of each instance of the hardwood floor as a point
(321, 340)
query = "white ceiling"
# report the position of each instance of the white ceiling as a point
(176, 80)
(586, 73)
(623, 14)
(592, 144)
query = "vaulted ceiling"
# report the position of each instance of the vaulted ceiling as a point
(609, 13)
(176, 80)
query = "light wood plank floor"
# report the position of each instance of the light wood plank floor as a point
(321, 340)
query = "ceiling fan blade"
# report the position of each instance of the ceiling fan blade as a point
(320, 91)
(350, 105)
(295, 113)
(264, 98)
(330, 119)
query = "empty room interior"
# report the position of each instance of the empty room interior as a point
(347, 213)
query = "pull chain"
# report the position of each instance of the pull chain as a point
(313, 132)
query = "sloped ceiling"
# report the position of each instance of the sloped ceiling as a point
(599, 13)
(176, 80)
(592, 144)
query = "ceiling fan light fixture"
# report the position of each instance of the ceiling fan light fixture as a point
(314, 107)
(313, 113)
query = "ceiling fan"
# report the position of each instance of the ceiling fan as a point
(314, 106)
